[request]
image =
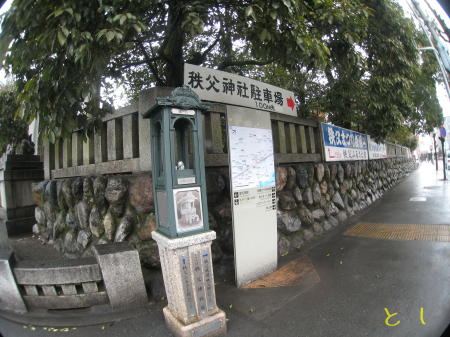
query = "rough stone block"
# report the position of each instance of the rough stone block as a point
(122, 274)
(10, 298)
(210, 326)
(141, 193)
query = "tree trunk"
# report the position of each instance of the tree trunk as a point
(172, 48)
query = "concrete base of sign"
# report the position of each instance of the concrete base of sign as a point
(211, 326)
(189, 281)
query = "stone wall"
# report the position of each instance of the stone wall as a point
(312, 198)
(315, 198)
(76, 213)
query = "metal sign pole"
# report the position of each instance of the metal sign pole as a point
(442, 135)
(435, 151)
(443, 156)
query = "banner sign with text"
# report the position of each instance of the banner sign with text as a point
(341, 144)
(219, 86)
(377, 150)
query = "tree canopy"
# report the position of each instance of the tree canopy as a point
(12, 130)
(380, 84)
(356, 60)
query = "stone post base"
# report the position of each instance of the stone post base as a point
(210, 326)
(189, 281)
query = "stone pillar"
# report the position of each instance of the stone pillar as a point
(17, 173)
(189, 281)
(10, 298)
(4, 240)
(122, 274)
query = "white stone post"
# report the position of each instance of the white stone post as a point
(189, 281)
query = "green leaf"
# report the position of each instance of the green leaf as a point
(58, 12)
(5, 41)
(51, 137)
(249, 11)
(110, 35)
(61, 38)
(263, 34)
(119, 36)
(273, 15)
(137, 28)
(65, 31)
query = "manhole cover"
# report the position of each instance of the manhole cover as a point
(418, 199)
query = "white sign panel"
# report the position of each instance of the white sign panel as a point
(253, 191)
(251, 157)
(342, 145)
(220, 86)
(377, 150)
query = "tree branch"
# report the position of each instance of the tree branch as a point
(138, 63)
(229, 63)
(207, 50)
(149, 60)
(198, 58)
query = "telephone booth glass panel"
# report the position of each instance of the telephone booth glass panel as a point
(184, 154)
(160, 149)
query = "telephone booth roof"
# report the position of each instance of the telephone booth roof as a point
(182, 98)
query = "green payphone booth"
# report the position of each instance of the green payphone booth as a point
(178, 163)
(183, 237)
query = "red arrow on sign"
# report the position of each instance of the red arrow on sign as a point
(290, 103)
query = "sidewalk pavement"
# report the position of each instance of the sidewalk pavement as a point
(354, 284)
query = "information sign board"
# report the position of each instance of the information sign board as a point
(253, 192)
(220, 86)
(442, 132)
(377, 150)
(342, 144)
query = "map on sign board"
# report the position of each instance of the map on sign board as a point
(252, 157)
